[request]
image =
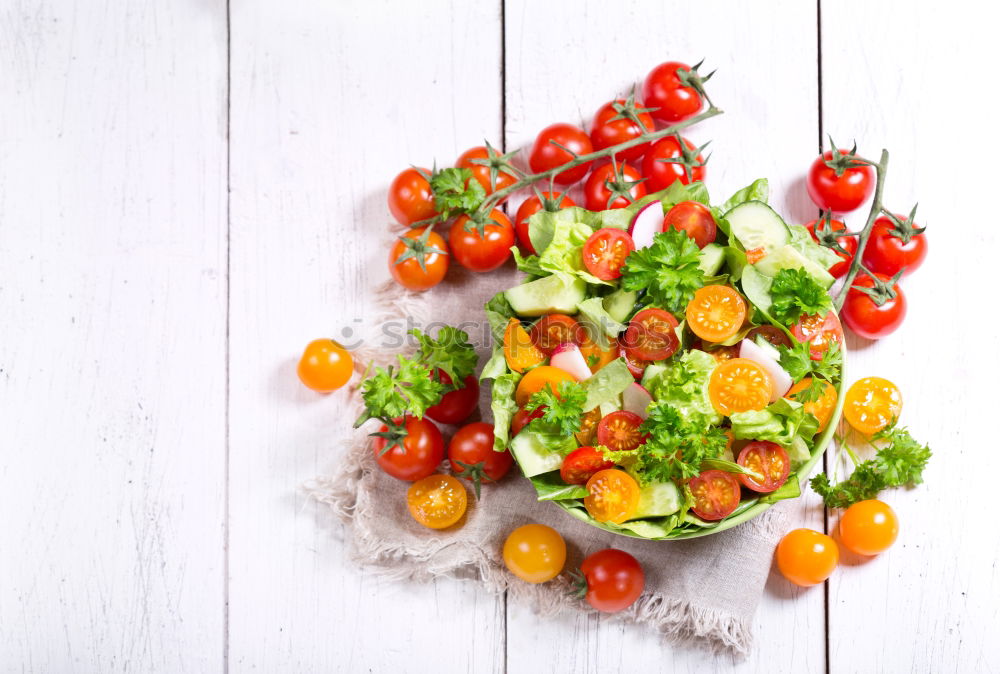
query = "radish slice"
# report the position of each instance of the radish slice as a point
(647, 222)
(636, 399)
(567, 357)
(781, 380)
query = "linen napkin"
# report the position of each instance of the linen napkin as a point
(702, 591)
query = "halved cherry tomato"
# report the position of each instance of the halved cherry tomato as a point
(325, 365)
(719, 353)
(455, 406)
(662, 90)
(410, 197)
(597, 195)
(588, 426)
(695, 219)
(611, 128)
(848, 243)
(661, 174)
(529, 207)
(534, 553)
(437, 501)
(716, 313)
(820, 332)
(604, 252)
(482, 173)
(636, 366)
(716, 494)
(554, 329)
(770, 460)
(823, 408)
(419, 455)
(536, 379)
(651, 335)
(871, 404)
(613, 496)
(776, 336)
(518, 349)
(596, 356)
(869, 527)
(523, 417)
(546, 155)
(807, 557)
(739, 385)
(619, 431)
(614, 580)
(581, 464)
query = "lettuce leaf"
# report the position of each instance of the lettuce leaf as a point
(758, 190)
(607, 384)
(503, 407)
(684, 385)
(779, 422)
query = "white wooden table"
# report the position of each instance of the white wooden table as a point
(191, 191)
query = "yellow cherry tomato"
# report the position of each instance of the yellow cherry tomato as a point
(807, 557)
(869, 527)
(534, 553)
(739, 385)
(437, 501)
(821, 408)
(536, 379)
(325, 366)
(612, 496)
(716, 313)
(871, 404)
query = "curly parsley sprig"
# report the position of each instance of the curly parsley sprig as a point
(798, 363)
(794, 293)
(668, 270)
(450, 352)
(562, 409)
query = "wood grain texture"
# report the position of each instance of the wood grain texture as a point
(932, 604)
(330, 101)
(112, 341)
(558, 70)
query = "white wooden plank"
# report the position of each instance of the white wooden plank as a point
(330, 101)
(112, 343)
(930, 603)
(564, 59)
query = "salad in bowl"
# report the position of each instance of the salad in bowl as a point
(669, 369)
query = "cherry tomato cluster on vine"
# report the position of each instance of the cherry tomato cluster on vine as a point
(875, 306)
(420, 259)
(610, 580)
(807, 557)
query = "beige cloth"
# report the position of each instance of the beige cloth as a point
(702, 591)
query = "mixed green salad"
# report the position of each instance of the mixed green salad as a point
(668, 369)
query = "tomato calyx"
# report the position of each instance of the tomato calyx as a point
(828, 237)
(883, 289)
(497, 162)
(578, 584)
(478, 221)
(628, 110)
(418, 249)
(840, 161)
(618, 185)
(902, 228)
(690, 158)
(693, 79)
(394, 435)
(474, 473)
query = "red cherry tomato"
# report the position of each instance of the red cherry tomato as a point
(604, 252)
(529, 207)
(770, 460)
(867, 319)
(848, 243)
(771, 334)
(472, 456)
(716, 494)
(421, 452)
(606, 131)
(596, 190)
(843, 193)
(481, 253)
(662, 90)
(695, 219)
(636, 366)
(546, 155)
(820, 332)
(457, 405)
(887, 254)
(523, 417)
(409, 273)
(651, 335)
(619, 431)
(614, 580)
(410, 197)
(482, 173)
(660, 174)
(581, 464)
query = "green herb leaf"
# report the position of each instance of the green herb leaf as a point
(668, 270)
(798, 363)
(392, 393)
(456, 192)
(811, 393)
(563, 408)
(449, 351)
(793, 293)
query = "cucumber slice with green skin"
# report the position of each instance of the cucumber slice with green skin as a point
(620, 304)
(658, 500)
(652, 371)
(713, 256)
(756, 225)
(788, 257)
(533, 456)
(555, 294)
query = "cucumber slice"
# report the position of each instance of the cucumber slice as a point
(788, 257)
(620, 304)
(555, 294)
(658, 500)
(532, 454)
(713, 256)
(652, 370)
(756, 225)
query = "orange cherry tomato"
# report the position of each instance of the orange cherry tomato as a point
(719, 353)
(612, 496)
(325, 365)
(716, 313)
(823, 408)
(408, 271)
(871, 404)
(869, 527)
(536, 379)
(807, 557)
(595, 356)
(437, 501)
(588, 426)
(534, 553)
(739, 385)
(482, 173)
(554, 329)
(518, 349)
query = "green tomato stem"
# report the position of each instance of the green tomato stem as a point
(876, 209)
